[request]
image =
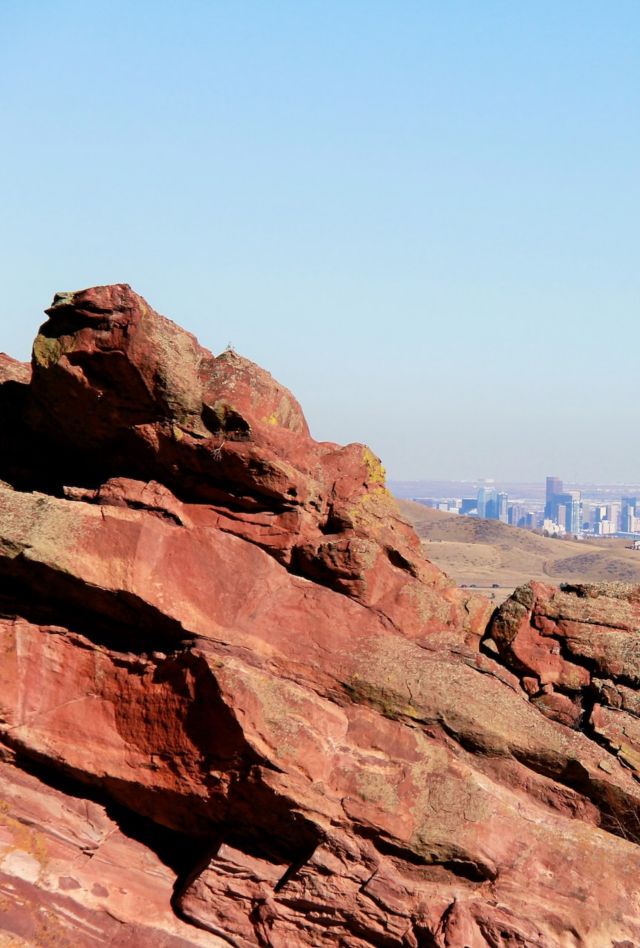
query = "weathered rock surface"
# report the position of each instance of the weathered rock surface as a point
(576, 650)
(238, 707)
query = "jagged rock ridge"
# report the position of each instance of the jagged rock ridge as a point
(239, 707)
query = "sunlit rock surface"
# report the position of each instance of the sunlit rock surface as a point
(237, 706)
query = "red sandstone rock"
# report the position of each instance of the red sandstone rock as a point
(70, 876)
(13, 371)
(238, 707)
(584, 640)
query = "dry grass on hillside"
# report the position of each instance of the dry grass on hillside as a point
(485, 552)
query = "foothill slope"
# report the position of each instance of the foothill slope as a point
(487, 553)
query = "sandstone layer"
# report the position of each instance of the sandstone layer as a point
(238, 706)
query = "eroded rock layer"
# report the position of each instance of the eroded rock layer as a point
(237, 705)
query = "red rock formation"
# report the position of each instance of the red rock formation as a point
(238, 707)
(576, 649)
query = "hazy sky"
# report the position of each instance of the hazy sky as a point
(421, 216)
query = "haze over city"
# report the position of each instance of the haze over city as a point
(421, 217)
(552, 507)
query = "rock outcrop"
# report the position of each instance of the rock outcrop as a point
(237, 705)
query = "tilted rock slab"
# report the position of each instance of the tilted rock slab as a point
(237, 705)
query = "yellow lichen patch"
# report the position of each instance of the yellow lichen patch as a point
(46, 351)
(271, 419)
(374, 504)
(375, 471)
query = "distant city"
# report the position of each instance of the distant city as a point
(552, 508)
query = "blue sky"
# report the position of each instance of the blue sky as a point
(421, 216)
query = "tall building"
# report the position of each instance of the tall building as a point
(560, 514)
(628, 514)
(487, 502)
(593, 515)
(573, 523)
(567, 511)
(554, 489)
(502, 507)
(482, 502)
(518, 515)
(613, 515)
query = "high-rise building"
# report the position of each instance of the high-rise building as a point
(482, 502)
(567, 511)
(534, 520)
(573, 523)
(628, 514)
(554, 488)
(502, 507)
(560, 516)
(487, 501)
(613, 515)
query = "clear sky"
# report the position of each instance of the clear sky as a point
(421, 216)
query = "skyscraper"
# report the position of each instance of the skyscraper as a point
(613, 515)
(574, 513)
(502, 507)
(487, 503)
(628, 514)
(560, 514)
(554, 488)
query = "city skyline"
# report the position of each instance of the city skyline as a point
(556, 508)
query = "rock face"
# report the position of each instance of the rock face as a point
(576, 651)
(238, 707)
